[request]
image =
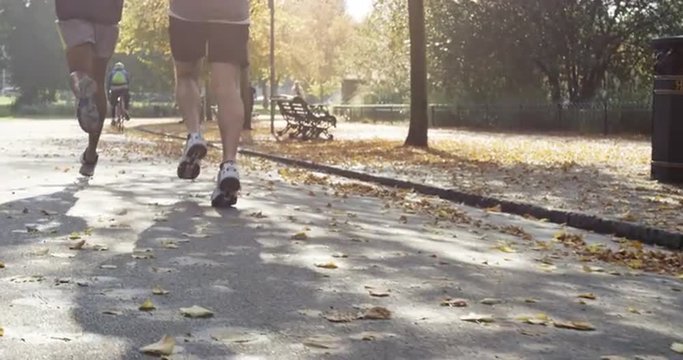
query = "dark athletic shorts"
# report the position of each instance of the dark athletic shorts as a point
(223, 43)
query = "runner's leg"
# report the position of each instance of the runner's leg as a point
(99, 73)
(188, 93)
(225, 81)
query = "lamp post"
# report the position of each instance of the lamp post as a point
(273, 85)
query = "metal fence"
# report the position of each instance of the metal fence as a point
(588, 118)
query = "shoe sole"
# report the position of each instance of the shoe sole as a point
(189, 167)
(88, 115)
(87, 170)
(228, 197)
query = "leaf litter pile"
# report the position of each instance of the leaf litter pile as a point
(630, 254)
(604, 177)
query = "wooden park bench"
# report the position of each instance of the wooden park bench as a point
(304, 121)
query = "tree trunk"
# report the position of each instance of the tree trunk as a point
(247, 97)
(419, 122)
(265, 91)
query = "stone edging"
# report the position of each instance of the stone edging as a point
(646, 234)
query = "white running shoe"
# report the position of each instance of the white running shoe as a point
(195, 151)
(227, 186)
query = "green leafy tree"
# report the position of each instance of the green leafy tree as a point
(33, 49)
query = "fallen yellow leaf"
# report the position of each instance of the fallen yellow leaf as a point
(477, 318)
(112, 312)
(494, 209)
(454, 302)
(635, 264)
(163, 347)
(159, 291)
(302, 236)
(633, 310)
(2, 332)
(677, 347)
(77, 246)
(538, 319)
(2, 265)
(322, 342)
(574, 325)
(491, 301)
(589, 296)
(147, 306)
(196, 312)
(505, 248)
(338, 316)
(379, 293)
(376, 313)
(329, 265)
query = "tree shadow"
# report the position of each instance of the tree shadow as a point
(267, 293)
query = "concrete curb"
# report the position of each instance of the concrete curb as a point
(648, 235)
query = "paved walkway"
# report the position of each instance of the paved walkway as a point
(268, 297)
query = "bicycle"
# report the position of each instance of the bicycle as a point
(119, 115)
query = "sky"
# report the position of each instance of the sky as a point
(359, 9)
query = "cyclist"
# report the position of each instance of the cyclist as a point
(118, 87)
(89, 30)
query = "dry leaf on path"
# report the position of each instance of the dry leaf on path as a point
(159, 291)
(494, 209)
(41, 252)
(329, 266)
(574, 325)
(169, 244)
(142, 255)
(547, 267)
(589, 296)
(27, 279)
(478, 318)
(491, 301)
(322, 342)
(99, 247)
(2, 332)
(148, 305)
(376, 313)
(196, 236)
(112, 312)
(302, 236)
(538, 319)
(379, 292)
(163, 347)
(341, 316)
(77, 246)
(505, 248)
(236, 336)
(677, 347)
(196, 312)
(454, 303)
(2, 265)
(592, 269)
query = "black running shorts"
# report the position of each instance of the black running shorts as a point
(222, 43)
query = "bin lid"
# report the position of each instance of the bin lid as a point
(668, 42)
